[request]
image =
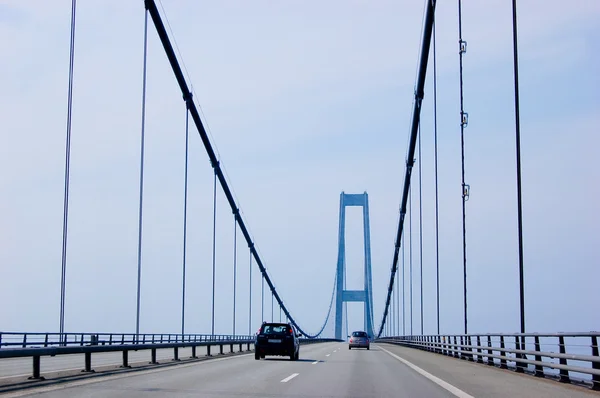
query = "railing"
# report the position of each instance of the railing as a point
(25, 340)
(37, 345)
(577, 358)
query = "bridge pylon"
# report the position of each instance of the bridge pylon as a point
(342, 295)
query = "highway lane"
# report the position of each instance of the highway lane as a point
(324, 370)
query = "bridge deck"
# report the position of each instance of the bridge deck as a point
(324, 370)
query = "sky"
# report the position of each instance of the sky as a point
(303, 100)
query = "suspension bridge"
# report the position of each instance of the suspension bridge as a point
(423, 344)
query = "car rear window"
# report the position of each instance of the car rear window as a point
(359, 334)
(276, 329)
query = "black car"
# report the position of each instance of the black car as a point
(277, 339)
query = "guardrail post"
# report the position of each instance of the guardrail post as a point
(455, 348)
(231, 348)
(470, 349)
(248, 346)
(479, 356)
(208, 351)
(36, 369)
(221, 349)
(490, 359)
(564, 374)
(502, 353)
(24, 340)
(88, 363)
(539, 369)
(176, 353)
(460, 352)
(45, 340)
(519, 345)
(595, 365)
(125, 359)
(153, 356)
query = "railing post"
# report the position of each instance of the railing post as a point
(36, 369)
(208, 350)
(221, 349)
(88, 363)
(194, 352)
(519, 345)
(460, 352)
(248, 346)
(470, 349)
(539, 369)
(153, 356)
(125, 359)
(490, 360)
(231, 348)
(502, 353)
(595, 365)
(455, 348)
(479, 356)
(24, 340)
(176, 353)
(241, 349)
(564, 374)
(45, 341)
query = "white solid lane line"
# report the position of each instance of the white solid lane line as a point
(327, 355)
(290, 377)
(446, 386)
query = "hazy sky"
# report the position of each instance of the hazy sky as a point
(303, 100)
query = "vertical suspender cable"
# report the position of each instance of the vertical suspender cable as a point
(410, 259)
(462, 145)
(67, 174)
(262, 300)
(272, 297)
(185, 192)
(403, 289)
(250, 297)
(518, 148)
(420, 228)
(437, 220)
(214, 252)
(139, 253)
(234, 266)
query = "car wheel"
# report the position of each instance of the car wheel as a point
(349, 347)
(368, 348)
(262, 356)
(256, 356)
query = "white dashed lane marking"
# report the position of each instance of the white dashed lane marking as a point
(290, 377)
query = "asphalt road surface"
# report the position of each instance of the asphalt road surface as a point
(324, 370)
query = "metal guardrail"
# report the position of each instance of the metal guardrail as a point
(577, 354)
(37, 345)
(25, 340)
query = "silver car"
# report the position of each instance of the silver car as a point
(359, 339)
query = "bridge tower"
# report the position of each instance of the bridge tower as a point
(342, 295)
